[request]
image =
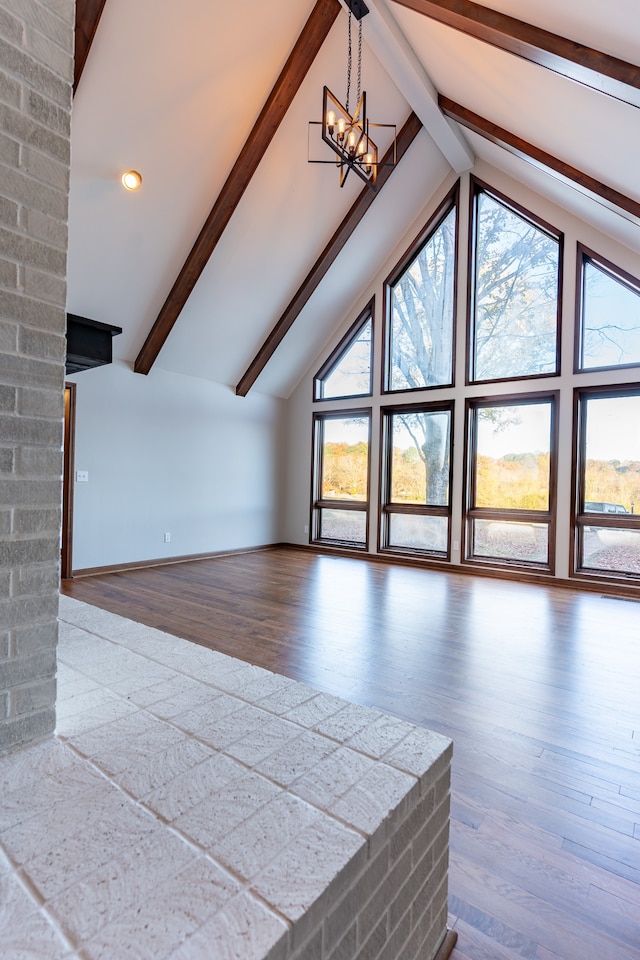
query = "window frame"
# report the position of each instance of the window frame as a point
(586, 255)
(476, 188)
(470, 512)
(450, 202)
(580, 518)
(317, 502)
(336, 355)
(387, 507)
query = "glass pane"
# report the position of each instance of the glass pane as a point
(344, 525)
(513, 454)
(604, 548)
(351, 377)
(418, 533)
(422, 315)
(612, 456)
(508, 540)
(516, 295)
(420, 458)
(345, 458)
(610, 320)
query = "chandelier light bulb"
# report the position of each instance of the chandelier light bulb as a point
(331, 121)
(131, 180)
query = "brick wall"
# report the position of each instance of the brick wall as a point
(36, 69)
(391, 904)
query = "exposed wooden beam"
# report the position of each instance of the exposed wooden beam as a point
(594, 69)
(286, 86)
(364, 200)
(612, 199)
(399, 59)
(88, 13)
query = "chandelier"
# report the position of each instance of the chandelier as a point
(348, 134)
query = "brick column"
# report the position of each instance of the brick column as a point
(36, 70)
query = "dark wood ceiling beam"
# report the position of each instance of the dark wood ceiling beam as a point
(88, 13)
(595, 189)
(594, 69)
(328, 256)
(293, 73)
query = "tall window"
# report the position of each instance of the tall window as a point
(608, 482)
(508, 464)
(420, 303)
(511, 480)
(348, 371)
(515, 292)
(340, 500)
(608, 327)
(417, 479)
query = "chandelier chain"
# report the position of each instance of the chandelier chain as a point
(359, 60)
(349, 65)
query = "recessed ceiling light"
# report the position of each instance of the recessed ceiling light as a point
(131, 180)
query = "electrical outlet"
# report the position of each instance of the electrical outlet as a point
(167, 538)
(456, 544)
(82, 476)
(306, 528)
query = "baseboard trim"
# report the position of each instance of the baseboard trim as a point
(446, 948)
(166, 561)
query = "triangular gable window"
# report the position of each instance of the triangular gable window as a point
(516, 283)
(348, 371)
(420, 298)
(610, 315)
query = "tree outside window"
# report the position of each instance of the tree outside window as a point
(421, 304)
(417, 478)
(515, 294)
(510, 479)
(608, 487)
(341, 478)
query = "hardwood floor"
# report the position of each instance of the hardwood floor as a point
(539, 688)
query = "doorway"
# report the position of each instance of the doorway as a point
(66, 542)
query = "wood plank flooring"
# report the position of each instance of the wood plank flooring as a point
(539, 688)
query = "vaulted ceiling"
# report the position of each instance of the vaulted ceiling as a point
(237, 258)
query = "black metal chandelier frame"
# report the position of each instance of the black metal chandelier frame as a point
(348, 135)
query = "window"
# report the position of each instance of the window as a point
(417, 479)
(505, 479)
(608, 327)
(511, 480)
(341, 478)
(348, 371)
(607, 541)
(420, 308)
(515, 292)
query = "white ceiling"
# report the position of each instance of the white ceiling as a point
(174, 90)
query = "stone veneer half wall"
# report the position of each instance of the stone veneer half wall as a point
(195, 807)
(36, 55)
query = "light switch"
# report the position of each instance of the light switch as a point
(82, 476)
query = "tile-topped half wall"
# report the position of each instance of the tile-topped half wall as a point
(195, 807)
(35, 96)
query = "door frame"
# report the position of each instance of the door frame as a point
(66, 541)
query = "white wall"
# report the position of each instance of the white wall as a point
(301, 407)
(171, 453)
